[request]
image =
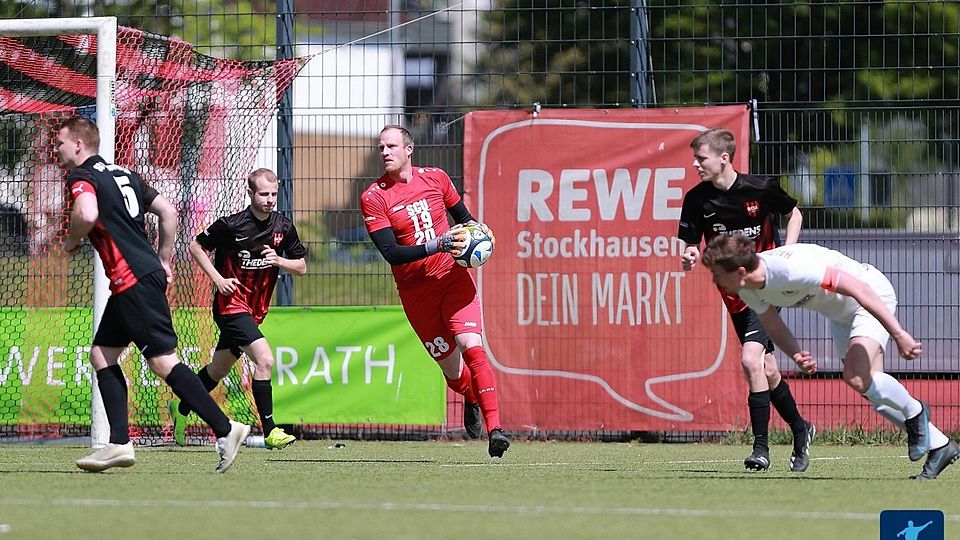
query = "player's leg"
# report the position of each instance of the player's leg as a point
(458, 379)
(782, 399)
(461, 308)
(780, 395)
(223, 359)
(210, 375)
(261, 354)
(111, 339)
(485, 388)
(752, 354)
(155, 337)
(118, 452)
(423, 307)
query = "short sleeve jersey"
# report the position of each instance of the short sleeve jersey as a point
(750, 208)
(118, 235)
(237, 242)
(806, 275)
(417, 212)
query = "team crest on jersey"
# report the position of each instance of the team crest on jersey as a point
(277, 238)
(752, 208)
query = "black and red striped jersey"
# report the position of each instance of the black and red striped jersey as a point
(118, 235)
(237, 244)
(751, 207)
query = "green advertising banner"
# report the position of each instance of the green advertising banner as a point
(351, 365)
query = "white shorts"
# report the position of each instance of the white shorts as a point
(864, 324)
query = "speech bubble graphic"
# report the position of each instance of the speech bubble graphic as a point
(589, 318)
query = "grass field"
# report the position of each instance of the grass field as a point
(452, 490)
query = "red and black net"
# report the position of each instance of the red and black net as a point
(192, 126)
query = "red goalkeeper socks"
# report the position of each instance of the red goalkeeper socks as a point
(462, 385)
(484, 385)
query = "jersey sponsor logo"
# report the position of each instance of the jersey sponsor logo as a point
(750, 333)
(752, 208)
(804, 300)
(710, 215)
(277, 238)
(749, 232)
(240, 238)
(369, 218)
(248, 263)
(470, 324)
(398, 208)
(77, 189)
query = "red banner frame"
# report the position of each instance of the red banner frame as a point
(591, 323)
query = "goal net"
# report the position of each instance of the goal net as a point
(192, 126)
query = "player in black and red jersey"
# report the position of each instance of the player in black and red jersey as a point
(108, 205)
(250, 247)
(729, 202)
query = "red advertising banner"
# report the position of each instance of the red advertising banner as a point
(591, 323)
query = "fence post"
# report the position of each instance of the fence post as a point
(638, 53)
(285, 138)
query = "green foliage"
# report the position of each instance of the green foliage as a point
(558, 52)
(237, 29)
(22, 9)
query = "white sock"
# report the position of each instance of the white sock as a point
(937, 438)
(885, 390)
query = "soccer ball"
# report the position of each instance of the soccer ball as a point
(479, 248)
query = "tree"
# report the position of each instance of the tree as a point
(558, 52)
(238, 29)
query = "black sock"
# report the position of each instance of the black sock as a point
(759, 403)
(786, 406)
(263, 397)
(187, 386)
(208, 383)
(113, 390)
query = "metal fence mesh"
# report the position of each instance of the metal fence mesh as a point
(857, 110)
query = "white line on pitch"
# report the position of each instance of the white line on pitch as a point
(441, 507)
(708, 461)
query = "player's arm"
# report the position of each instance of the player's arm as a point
(82, 219)
(845, 283)
(794, 222)
(393, 253)
(689, 230)
(225, 286)
(294, 259)
(690, 256)
(461, 216)
(785, 340)
(296, 267)
(167, 226)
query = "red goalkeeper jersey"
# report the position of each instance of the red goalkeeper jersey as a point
(417, 212)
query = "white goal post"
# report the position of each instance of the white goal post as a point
(105, 29)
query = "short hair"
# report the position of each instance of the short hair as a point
(83, 130)
(730, 252)
(266, 174)
(407, 136)
(719, 140)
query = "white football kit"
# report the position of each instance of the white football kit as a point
(806, 275)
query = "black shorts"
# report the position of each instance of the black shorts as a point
(748, 328)
(140, 314)
(236, 330)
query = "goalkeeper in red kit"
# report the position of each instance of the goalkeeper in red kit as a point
(405, 213)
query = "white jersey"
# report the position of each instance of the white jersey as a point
(806, 275)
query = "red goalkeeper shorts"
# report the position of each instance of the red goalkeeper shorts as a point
(439, 310)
